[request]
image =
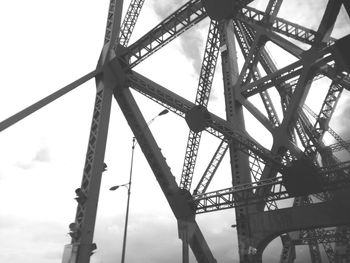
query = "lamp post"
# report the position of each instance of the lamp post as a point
(128, 185)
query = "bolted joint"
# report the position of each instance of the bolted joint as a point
(93, 247)
(114, 68)
(341, 54)
(113, 74)
(185, 230)
(197, 118)
(218, 10)
(120, 66)
(81, 196)
(252, 251)
(182, 205)
(301, 178)
(120, 52)
(74, 231)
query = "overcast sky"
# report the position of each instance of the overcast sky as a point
(48, 44)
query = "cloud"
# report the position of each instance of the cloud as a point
(298, 10)
(42, 155)
(151, 238)
(164, 8)
(24, 165)
(344, 120)
(24, 240)
(191, 42)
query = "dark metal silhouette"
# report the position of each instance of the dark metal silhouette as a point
(260, 176)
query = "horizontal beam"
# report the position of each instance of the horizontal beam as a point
(254, 193)
(240, 195)
(267, 225)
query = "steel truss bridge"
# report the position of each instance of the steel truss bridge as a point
(300, 165)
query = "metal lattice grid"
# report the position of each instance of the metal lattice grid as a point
(299, 163)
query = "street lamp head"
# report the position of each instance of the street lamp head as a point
(163, 112)
(113, 188)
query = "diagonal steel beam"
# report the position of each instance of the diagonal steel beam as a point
(330, 130)
(311, 144)
(297, 99)
(159, 94)
(216, 125)
(280, 41)
(47, 100)
(288, 73)
(328, 20)
(202, 98)
(211, 169)
(174, 25)
(209, 64)
(341, 144)
(245, 40)
(326, 70)
(255, 17)
(327, 109)
(347, 6)
(269, 67)
(247, 36)
(191, 153)
(178, 199)
(276, 78)
(306, 76)
(272, 9)
(129, 22)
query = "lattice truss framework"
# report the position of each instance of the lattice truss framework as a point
(261, 177)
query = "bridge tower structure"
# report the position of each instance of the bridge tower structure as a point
(300, 166)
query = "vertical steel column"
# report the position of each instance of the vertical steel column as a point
(234, 114)
(82, 230)
(90, 186)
